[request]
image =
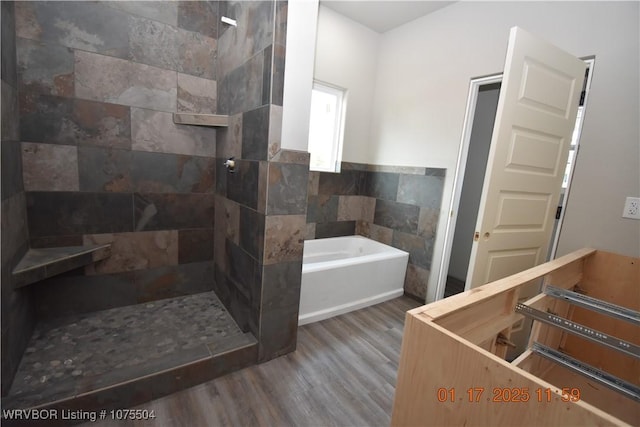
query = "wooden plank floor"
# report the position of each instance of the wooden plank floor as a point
(342, 374)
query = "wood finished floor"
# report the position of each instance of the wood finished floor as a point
(343, 373)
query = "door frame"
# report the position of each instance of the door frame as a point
(591, 61)
(458, 178)
(461, 164)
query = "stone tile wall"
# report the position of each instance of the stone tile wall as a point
(261, 207)
(18, 316)
(398, 206)
(103, 161)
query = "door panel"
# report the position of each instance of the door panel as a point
(502, 263)
(529, 148)
(546, 88)
(533, 152)
(521, 211)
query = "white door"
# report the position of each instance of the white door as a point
(529, 148)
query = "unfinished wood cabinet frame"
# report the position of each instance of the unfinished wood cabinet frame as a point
(452, 369)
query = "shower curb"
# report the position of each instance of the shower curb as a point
(127, 394)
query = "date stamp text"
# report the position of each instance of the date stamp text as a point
(506, 395)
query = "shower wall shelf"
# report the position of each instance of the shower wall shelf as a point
(212, 120)
(39, 264)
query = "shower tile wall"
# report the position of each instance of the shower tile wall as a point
(398, 206)
(18, 317)
(103, 160)
(260, 207)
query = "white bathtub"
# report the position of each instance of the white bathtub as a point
(342, 274)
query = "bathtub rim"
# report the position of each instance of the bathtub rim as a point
(390, 252)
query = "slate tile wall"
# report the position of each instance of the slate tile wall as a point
(398, 206)
(103, 161)
(71, 121)
(17, 306)
(261, 206)
(239, 225)
(97, 83)
(281, 269)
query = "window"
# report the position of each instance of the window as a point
(326, 127)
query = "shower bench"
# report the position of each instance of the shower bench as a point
(39, 264)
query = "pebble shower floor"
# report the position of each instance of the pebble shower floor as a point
(69, 350)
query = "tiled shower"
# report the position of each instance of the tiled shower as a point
(205, 264)
(91, 155)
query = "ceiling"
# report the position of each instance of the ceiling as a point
(382, 16)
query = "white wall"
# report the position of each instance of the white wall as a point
(423, 77)
(302, 18)
(347, 56)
